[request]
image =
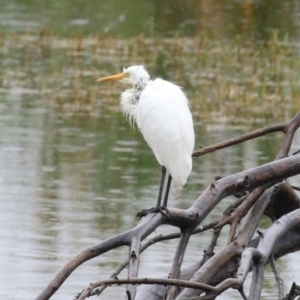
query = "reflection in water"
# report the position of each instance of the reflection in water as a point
(69, 181)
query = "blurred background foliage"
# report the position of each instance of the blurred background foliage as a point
(232, 58)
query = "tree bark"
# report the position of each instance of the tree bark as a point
(261, 190)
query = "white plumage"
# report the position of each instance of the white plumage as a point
(161, 112)
(164, 118)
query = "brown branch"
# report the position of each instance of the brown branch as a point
(281, 193)
(289, 130)
(151, 223)
(268, 173)
(279, 207)
(153, 241)
(276, 231)
(248, 260)
(234, 249)
(277, 277)
(238, 140)
(257, 258)
(263, 175)
(297, 188)
(213, 243)
(240, 211)
(251, 257)
(242, 293)
(134, 260)
(191, 217)
(257, 178)
(269, 239)
(293, 293)
(249, 136)
(257, 276)
(177, 262)
(289, 243)
(261, 255)
(134, 281)
(243, 238)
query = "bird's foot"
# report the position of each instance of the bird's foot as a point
(153, 210)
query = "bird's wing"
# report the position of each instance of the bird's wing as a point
(165, 120)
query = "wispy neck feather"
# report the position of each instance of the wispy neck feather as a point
(129, 101)
(130, 98)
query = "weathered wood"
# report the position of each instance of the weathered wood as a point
(263, 190)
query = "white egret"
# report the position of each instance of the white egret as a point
(161, 112)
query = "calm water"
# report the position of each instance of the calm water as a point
(69, 181)
(168, 18)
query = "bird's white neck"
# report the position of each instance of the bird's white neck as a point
(130, 99)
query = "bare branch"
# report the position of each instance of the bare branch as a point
(271, 172)
(241, 291)
(134, 260)
(177, 261)
(234, 249)
(149, 243)
(278, 278)
(286, 128)
(152, 222)
(294, 292)
(253, 181)
(257, 277)
(266, 245)
(297, 188)
(240, 139)
(160, 281)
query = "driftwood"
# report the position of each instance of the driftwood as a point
(261, 190)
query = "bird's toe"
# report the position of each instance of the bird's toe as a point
(153, 210)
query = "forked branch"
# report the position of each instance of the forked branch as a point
(256, 182)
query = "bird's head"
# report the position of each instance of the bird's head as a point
(134, 75)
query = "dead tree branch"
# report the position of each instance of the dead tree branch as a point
(135, 281)
(292, 125)
(251, 259)
(152, 241)
(259, 184)
(278, 278)
(268, 173)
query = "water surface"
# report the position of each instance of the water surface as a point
(73, 172)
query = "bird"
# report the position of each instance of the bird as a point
(161, 111)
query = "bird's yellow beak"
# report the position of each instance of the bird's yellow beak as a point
(113, 77)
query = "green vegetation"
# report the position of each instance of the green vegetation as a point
(233, 78)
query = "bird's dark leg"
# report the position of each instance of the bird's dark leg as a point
(167, 192)
(161, 187)
(158, 207)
